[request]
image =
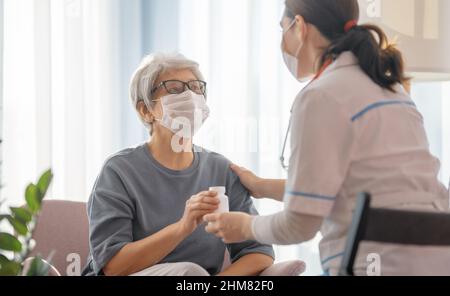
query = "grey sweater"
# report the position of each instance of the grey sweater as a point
(135, 197)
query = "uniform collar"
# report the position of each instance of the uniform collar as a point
(345, 59)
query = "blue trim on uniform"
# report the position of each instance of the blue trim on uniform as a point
(312, 196)
(326, 273)
(326, 260)
(378, 105)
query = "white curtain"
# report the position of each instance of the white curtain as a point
(60, 93)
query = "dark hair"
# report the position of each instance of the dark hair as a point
(379, 59)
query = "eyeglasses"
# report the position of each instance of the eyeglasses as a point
(176, 87)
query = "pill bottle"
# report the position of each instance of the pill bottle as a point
(224, 203)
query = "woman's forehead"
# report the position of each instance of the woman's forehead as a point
(177, 74)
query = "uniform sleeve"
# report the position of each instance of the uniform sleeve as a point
(110, 212)
(241, 201)
(285, 228)
(321, 147)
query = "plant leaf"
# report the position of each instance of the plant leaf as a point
(4, 217)
(32, 196)
(9, 268)
(22, 214)
(18, 225)
(3, 259)
(38, 267)
(9, 243)
(44, 183)
(5, 266)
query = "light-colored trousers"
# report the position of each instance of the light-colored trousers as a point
(174, 269)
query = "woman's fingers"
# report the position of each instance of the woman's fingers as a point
(200, 206)
(204, 194)
(199, 215)
(208, 194)
(210, 200)
(202, 202)
(209, 197)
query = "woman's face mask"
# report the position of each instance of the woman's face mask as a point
(292, 61)
(184, 114)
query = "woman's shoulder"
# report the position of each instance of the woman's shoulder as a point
(124, 157)
(212, 158)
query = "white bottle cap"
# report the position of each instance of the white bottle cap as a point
(219, 189)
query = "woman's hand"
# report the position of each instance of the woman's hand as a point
(231, 227)
(249, 180)
(196, 208)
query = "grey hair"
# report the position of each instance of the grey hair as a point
(152, 66)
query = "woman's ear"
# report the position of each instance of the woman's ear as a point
(145, 113)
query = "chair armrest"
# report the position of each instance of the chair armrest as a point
(288, 268)
(52, 271)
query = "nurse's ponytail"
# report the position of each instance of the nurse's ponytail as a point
(381, 61)
(337, 21)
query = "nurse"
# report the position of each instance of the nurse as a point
(354, 128)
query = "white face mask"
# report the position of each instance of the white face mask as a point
(184, 114)
(291, 61)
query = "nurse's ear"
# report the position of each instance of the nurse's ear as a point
(301, 27)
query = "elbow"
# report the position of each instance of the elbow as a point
(117, 267)
(264, 262)
(270, 262)
(267, 260)
(111, 270)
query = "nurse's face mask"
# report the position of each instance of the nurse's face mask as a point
(292, 60)
(184, 110)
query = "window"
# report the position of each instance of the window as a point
(433, 101)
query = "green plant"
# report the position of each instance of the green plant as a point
(23, 220)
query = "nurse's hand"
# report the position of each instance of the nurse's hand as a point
(232, 227)
(249, 180)
(196, 208)
(259, 187)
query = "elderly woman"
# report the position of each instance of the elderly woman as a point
(147, 206)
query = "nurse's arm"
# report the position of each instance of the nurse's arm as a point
(286, 228)
(272, 188)
(248, 265)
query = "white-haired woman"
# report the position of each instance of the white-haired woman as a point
(148, 202)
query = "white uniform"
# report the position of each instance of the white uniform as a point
(350, 136)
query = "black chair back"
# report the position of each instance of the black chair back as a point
(392, 227)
